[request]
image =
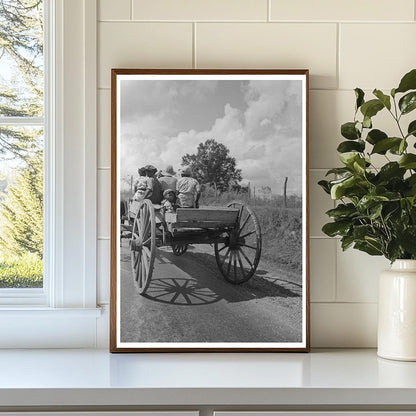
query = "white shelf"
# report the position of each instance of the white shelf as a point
(39, 378)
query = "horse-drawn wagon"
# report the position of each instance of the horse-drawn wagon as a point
(234, 231)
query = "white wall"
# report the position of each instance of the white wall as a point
(344, 43)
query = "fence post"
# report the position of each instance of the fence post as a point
(284, 192)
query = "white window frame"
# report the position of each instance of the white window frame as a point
(64, 313)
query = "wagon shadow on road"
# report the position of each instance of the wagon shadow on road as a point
(208, 286)
(180, 291)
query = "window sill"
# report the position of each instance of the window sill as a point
(40, 327)
(330, 379)
(36, 312)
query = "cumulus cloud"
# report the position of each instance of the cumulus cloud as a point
(264, 133)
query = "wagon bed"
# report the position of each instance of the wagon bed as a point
(205, 218)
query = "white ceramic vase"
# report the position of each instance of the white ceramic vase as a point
(397, 312)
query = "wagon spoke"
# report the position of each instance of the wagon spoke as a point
(229, 263)
(241, 263)
(225, 257)
(146, 241)
(145, 263)
(244, 255)
(235, 267)
(246, 245)
(139, 273)
(222, 248)
(136, 260)
(146, 231)
(143, 281)
(247, 234)
(245, 222)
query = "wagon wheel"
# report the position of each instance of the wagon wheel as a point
(143, 245)
(179, 249)
(238, 257)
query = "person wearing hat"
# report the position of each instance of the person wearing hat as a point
(167, 178)
(153, 188)
(188, 189)
(140, 185)
(169, 201)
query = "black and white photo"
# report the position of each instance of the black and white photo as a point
(209, 210)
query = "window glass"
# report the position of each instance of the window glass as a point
(21, 143)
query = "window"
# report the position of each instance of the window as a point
(63, 313)
(22, 128)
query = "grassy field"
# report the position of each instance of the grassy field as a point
(20, 272)
(281, 226)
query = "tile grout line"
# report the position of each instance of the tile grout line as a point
(131, 9)
(194, 63)
(336, 271)
(308, 22)
(269, 10)
(344, 303)
(338, 63)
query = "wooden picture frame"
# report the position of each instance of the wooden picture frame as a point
(198, 272)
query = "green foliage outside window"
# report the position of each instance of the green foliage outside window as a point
(21, 147)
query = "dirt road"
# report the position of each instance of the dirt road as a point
(189, 301)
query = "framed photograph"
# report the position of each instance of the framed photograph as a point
(209, 211)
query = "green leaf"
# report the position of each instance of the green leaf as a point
(398, 149)
(407, 239)
(369, 201)
(368, 248)
(338, 171)
(325, 186)
(350, 131)
(408, 82)
(359, 95)
(375, 136)
(360, 231)
(385, 99)
(348, 158)
(383, 145)
(367, 122)
(338, 189)
(393, 92)
(391, 170)
(371, 108)
(393, 250)
(342, 211)
(375, 211)
(408, 161)
(408, 102)
(336, 228)
(411, 130)
(349, 146)
(346, 242)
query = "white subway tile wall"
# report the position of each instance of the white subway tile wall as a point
(345, 44)
(200, 10)
(352, 10)
(114, 10)
(270, 45)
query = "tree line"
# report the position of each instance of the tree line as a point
(21, 95)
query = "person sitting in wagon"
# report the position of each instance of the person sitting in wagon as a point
(140, 185)
(188, 189)
(153, 187)
(169, 201)
(167, 178)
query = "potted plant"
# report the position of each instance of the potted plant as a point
(376, 209)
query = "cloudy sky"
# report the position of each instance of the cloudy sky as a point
(260, 121)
